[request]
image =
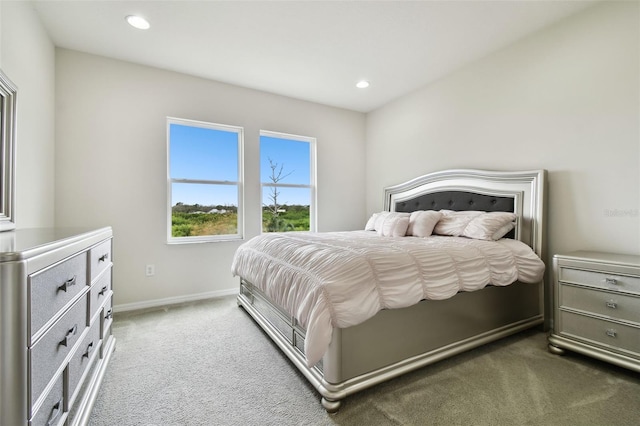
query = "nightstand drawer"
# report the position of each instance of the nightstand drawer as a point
(49, 353)
(54, 287)
(607, 333)
(614, 282)
(613, 305)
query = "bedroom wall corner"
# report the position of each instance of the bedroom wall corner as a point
(111, 155)
(565, 99)
(27, 57)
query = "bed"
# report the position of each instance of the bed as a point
(395, 341)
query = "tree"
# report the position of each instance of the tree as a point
(276, 223)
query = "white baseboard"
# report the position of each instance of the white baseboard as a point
(173, 300)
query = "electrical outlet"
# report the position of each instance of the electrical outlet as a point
(150, 270)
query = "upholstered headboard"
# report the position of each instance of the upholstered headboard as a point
(458, 201)
(519, 192)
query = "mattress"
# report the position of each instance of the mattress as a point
(341, 279)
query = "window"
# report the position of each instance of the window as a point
(288, 176)
(204, 175)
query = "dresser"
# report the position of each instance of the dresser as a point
(55, 323)
(597, 307)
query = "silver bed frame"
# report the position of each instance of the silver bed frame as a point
(396, 341)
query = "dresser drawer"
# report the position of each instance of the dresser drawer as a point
(100, 258)
(48, 354)
(100, 291)
(53, 288)
(607, 333)
(613, 305)
(51, 411)
(83, 357)
(107, 317)
(602, 280)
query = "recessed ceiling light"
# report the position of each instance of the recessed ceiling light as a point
(363, 84)
(138, 22)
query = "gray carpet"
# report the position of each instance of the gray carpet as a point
(208, 363)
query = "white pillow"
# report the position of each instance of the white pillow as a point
(380, 218)
(371, 223)
(453, 223)
(490, 226)
(475, 224)
(375, 221)
(422, 222)
(393, 224)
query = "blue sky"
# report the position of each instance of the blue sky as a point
(293, 156)
(210, 154)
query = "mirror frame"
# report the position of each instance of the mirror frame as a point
(8, 94)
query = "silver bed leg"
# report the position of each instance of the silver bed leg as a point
(331, 406)
(555, 350)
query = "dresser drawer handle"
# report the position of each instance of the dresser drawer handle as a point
(68, 283)
(103, 290)
(611, 332)
(72, 332)
(109, 314)
(56, 410)
(88, 351)
(611, 281)
(103, 258)
(611, 304)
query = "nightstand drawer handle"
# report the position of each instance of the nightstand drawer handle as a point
(611, 332)
(109, 314)
(68, 283)
(611, 304)
(72, 332)
(55, 412)
(103, 290)
(103, 258)
(611, 281)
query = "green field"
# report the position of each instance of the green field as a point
(293, 218)
(197, 220)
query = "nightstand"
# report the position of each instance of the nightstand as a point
(597, 307)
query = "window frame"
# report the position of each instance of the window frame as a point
(313, 218)
(239, 183)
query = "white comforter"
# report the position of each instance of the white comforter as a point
(340, 279)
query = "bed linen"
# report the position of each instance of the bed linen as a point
(341, 279)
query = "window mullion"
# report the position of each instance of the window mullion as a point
(285, 185)
(206, 182)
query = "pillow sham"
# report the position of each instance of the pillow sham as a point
(475, 224)
(453, 223)
(490, 226)
(375, 221)
(422, 222)
(378, 221)
(371, 223)
(393, 224)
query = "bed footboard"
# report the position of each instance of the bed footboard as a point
(356, 359)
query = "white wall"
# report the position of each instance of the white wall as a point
(27, 57)
(111, 166)
(565, 99)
